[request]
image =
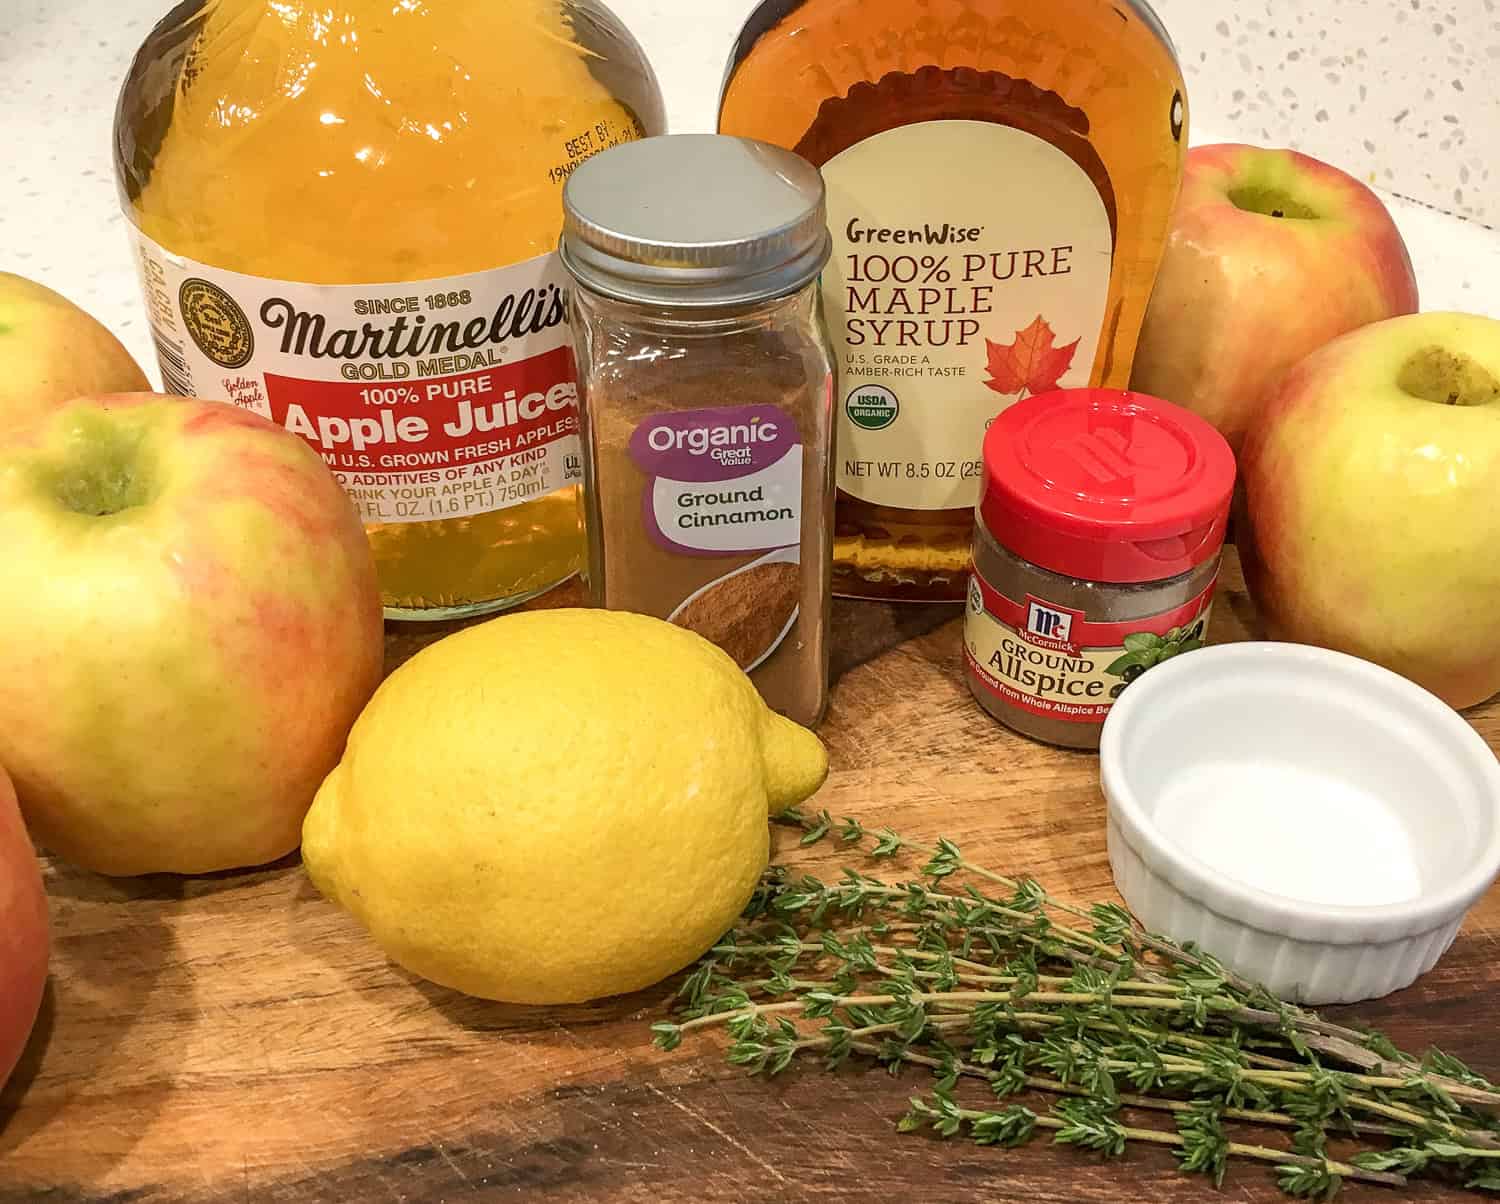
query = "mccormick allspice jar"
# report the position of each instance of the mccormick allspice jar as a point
(706, 381)
(1100, 527)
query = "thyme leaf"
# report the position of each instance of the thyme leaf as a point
(1035, 1015)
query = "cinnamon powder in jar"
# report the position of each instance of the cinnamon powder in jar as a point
(706, 384)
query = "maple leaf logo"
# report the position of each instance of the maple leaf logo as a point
(1030, 363)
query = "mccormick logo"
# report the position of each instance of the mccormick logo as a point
(1051, 626)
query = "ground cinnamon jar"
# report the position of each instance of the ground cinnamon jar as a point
(706, 381)
(1100, 526)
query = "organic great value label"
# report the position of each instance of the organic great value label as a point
(1051, 661)
(971, 269)
(428, 400)
(721, 481)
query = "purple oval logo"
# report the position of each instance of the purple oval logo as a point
(713, 445)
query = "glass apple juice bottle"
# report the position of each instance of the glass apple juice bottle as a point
(346, 215)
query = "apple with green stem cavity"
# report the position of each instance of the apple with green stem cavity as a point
(1271, 254)
(194, 625)
(1370, 521)
(23, 932)
(53, 352)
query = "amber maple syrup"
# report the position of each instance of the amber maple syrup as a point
(1001, 174)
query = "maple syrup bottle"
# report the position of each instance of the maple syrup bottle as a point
(1001, 174)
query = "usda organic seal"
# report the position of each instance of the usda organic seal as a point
(872, 407)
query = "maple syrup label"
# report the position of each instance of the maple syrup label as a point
(428, 400)
(1051, 661)
(971, 269)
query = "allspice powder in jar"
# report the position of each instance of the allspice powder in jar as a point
(706, 382)
(1100, 528)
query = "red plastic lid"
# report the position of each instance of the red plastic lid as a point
(1106, 486)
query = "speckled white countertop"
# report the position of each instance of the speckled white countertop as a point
(1407, 95)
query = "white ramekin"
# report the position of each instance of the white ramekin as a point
(1319, 712)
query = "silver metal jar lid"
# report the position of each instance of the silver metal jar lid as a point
(694, 220)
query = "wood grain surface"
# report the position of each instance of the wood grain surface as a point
(238, 1039)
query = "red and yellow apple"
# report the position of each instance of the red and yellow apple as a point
(23, 932)
(53, 352)
(1371, 518)
(1271, 254)
(192, 626)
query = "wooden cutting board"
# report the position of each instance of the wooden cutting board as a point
(237, 1039)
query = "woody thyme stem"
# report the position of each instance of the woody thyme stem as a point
(960, 983)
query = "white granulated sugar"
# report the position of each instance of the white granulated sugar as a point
(1291, 831)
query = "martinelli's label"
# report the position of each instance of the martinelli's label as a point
(1051, 661)
(971, 269)
(429, 400)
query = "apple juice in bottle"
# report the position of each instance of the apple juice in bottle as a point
(345, 215)
(1001, 174)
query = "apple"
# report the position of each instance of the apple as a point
(1371, 516)
(23, 932)
(54, 352)
(1270, 255)
(192, 626)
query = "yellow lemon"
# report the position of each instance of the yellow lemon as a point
(557, 805)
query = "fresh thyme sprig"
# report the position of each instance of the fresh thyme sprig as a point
(1020, 992)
